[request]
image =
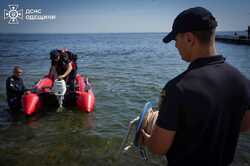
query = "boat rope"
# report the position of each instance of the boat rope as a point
(146, 121)
(149, 122)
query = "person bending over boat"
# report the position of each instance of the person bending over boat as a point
(67, 69)
(15, 89)
(202, 110)
(64, 66)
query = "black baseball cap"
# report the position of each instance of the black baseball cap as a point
(193, 19)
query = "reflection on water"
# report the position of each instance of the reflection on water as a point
(51, 138)
(127, 70)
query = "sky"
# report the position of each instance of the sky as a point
(115, 16)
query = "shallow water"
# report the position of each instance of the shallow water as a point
(127, 70)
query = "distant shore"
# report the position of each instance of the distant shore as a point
(234, 39)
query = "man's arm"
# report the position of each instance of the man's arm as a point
(245, 125)
(23, 87)
(161, 138)
(159, 141)
(69, 69)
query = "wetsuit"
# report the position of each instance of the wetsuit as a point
(14, 89)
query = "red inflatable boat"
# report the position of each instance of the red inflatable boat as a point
(42, 95)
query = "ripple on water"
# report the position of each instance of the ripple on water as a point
(127, 70)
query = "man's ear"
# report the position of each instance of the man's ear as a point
(190, 39)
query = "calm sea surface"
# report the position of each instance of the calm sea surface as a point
(127, 70)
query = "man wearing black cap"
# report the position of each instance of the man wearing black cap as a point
(204, 108)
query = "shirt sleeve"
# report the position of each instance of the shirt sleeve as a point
(169, 108)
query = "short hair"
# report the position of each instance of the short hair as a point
(204, 36)
(16, 68)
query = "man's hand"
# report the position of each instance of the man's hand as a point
(27, 92)
(60, 77)
(145, 137)
(159, 141)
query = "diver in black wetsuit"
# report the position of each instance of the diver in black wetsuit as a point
(15, 89)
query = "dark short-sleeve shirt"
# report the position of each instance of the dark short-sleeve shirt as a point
(205, 106)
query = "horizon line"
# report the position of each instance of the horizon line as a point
(6, 33)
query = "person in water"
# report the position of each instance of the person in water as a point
(15, 89)
(203, 109)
